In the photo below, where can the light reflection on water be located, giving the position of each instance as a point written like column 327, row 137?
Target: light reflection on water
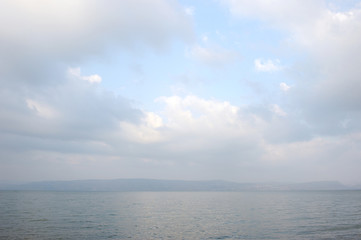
column 180, row 215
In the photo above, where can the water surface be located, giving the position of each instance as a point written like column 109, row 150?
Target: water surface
column 180, row 215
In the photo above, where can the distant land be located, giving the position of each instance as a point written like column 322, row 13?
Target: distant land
column 136, row 185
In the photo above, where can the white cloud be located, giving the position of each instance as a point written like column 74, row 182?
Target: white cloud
column 267, row 65
column 76, row 72
column 203, row 121
column 42, row 109
column 93, row 78
column 198, row 112
column 190, row 10
column 205, row 38
column 284, row 87
column 277, row 110
column 145, row 132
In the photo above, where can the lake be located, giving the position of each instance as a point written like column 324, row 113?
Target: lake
column 180, row 215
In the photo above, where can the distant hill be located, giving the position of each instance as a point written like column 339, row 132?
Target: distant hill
column 132, row 185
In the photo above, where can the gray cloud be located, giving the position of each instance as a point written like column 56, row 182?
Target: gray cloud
column 38, row 37
column 44, row 111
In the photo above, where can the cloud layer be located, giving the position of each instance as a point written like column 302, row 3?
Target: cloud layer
column 57, row 122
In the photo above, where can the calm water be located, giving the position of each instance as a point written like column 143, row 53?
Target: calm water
column 180, row 215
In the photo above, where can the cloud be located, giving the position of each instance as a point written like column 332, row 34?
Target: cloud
column 267, row 65
column 37, row 40
column 324, row 107
column 213, row 56
column 328, row 89
column 277, row 110
column 205, row 38
column 38, row 44
column 333, row 44
column 73, row 110
column 319, row 158
column 52, row 115
column 190, row 10
column 188, row 131
column 284, row 87
column 76, row 72
column 207, row 138
column 145, row 132
column 41, row 109
column 277, row 13
column 212, row 138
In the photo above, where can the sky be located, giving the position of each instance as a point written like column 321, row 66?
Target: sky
column 237, row 90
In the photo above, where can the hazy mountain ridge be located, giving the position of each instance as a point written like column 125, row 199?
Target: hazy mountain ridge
column 172, row 185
